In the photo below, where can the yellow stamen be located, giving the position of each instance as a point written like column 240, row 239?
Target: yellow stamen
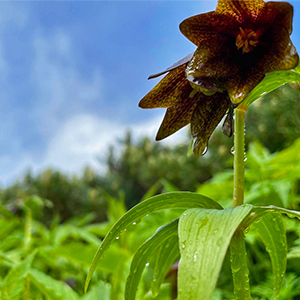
column 247, row 40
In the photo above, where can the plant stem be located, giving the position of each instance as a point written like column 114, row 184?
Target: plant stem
column 239, row 156
column 238, row 255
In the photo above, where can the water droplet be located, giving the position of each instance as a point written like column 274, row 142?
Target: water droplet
column 117, row 237
column 205, row 150
column 147, row 264
column 232, row 150
column 195, row 256
column 235, row 267
column 257, row 220
column 134, row 223
column 252, row 215
column 196, row 145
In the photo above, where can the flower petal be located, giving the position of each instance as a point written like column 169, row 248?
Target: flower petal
column 204, row 26
column 178, row 116
column 277, row 13
column 169, row 91
column 181, row 62
column 206, row 117
column 214, row 58
column 241, row 10
column 280, row 54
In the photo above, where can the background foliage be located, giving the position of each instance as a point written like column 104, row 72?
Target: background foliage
column 51, row 224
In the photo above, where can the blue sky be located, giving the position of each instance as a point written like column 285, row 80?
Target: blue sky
column 72, row 74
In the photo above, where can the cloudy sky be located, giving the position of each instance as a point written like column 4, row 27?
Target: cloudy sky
column 72, row 73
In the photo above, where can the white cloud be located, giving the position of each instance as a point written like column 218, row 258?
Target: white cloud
column 85, row 138
column 61, row 88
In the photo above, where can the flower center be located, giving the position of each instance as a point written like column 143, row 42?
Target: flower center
column 247, row 40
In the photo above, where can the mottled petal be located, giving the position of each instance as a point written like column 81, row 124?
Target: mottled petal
column 178, row 116
column 290, row 60
column 283, row 54
column 240, row 10
column 169, row 91
column 206, row 117
column 204, row 26
column 242, row 84
column 181, row 62
column 277, row 13
column 213, row 58
column 280, row 54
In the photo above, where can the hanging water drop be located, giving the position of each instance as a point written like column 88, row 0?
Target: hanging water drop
column 117, row 237
column 147, row 264
column 205, row 150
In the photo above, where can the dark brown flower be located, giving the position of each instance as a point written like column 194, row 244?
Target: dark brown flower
column 186, row 105
column 237, row 45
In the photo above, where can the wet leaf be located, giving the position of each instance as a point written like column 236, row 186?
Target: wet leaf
column 166, row 255
column 272, row 233
column 143, row 255
column 204, row 236
column 239, row 268
column 157, row 203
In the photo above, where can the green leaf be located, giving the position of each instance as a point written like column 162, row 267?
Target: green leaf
column 167, row 253
column 143, row 255
column 239, row 268
column 118, row 279
column 271, row 82
column 152, row 191
column 100, row 291
column 82, row 254
column 64, row 232
column 260, row 210
column 151, row 205
column 272, row 233
column 204, row 236
column 52, row 288
column 168, row 186
column 14, row 283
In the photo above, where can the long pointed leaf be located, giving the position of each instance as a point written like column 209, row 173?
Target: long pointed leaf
column 272, row 232
column 144, row 253
column 157, row 203
column 52, row 288
column 239, row 268
column 204, row 236
column 166, row 255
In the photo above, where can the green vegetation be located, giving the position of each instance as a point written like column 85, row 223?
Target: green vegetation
column 52, row 224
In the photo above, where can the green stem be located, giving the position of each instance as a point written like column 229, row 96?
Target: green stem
column 239, row 156
column 238, row 255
